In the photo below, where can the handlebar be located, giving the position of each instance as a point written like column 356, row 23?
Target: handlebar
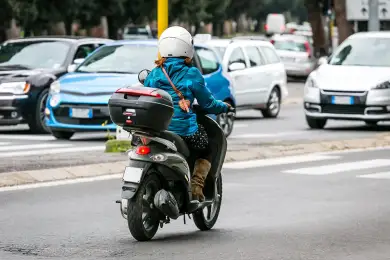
column 198, row 110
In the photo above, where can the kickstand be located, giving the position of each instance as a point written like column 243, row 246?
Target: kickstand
column 184, row 218
column 189, row 216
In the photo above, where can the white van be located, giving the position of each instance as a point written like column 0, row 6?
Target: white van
column 275, row 24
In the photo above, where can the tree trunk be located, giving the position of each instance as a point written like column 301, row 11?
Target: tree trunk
column 315, row 19
column 344, row 27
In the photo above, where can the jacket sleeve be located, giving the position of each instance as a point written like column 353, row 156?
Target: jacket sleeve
column 149, row 82
column 202, row 94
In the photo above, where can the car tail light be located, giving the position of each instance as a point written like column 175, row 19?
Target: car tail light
column 308, row 50
column 272, row 41
column 142, row 150
column 138, row 92
column 266, row 27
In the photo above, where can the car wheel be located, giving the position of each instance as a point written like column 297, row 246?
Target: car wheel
column 371, row 122
column 316, row 123
column 226, row 122
column 273, row 105
column 36, row 120
column 62, row 135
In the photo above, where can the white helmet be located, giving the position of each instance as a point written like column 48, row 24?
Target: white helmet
column 176, row 42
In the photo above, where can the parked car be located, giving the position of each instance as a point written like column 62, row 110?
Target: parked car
column 27, row 68
column 78, row 101
column 296, row 53
column 275, row 24
column 134, row 32
column 352, row 84
column 259, row 76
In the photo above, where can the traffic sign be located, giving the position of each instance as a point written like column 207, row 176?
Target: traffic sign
column 358, row 10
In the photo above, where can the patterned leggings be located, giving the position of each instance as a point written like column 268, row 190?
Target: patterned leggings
column 198, row 142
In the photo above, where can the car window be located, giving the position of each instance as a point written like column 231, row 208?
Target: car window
column 84, row 50
column 254, row 56
column 128, row 58
column 363, row 52
column 208, row 60
column 35, row 54
column 290, row 46
column 271, row 55
column 237, row 56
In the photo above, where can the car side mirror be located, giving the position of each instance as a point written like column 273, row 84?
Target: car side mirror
column 236, row 66
column 322, row 60
column 76, row 62
column 142, row 75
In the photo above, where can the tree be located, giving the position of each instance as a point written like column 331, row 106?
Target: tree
column 5, row 17
column 343, row 26
column 314, row 9
column 216, row 10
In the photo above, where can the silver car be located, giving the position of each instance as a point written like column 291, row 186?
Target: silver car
column 296, row 52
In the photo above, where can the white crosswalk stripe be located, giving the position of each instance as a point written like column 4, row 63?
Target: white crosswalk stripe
column 9, row 150
column 340, row 167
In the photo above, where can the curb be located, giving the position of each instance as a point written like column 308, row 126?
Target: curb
column 234, row 154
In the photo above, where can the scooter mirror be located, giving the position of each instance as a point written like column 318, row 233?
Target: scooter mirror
column 142, row 75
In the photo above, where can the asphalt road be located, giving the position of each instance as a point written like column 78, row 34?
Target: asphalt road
column 333, row 207
column 19, row 150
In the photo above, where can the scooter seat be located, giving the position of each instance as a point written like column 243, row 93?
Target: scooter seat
column 181, row 146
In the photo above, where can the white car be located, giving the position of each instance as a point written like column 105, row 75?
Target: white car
column 353, row 83
column 259, row 77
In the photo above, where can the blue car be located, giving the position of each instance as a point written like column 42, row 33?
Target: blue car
column 78, row 101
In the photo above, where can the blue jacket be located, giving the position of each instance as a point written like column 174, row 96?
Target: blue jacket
column 191, row 84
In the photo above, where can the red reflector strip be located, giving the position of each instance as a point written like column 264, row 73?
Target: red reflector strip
column 127, row 113
column 138, row 92
column 142, row 150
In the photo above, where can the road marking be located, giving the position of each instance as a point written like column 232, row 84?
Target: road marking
column 278, row 161
column 379, row 175
column 340, row 167
column 1, row 144
column 267, row 135
column 26, row 137
column 239, row 125
column 53, row 151
column 32, row 146
column 62, row 182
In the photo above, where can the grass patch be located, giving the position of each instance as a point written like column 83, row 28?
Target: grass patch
column 117, row 146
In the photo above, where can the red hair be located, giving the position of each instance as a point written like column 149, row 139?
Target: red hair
column 161, row 61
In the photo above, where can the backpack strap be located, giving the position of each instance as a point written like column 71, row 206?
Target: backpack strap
column 184, row 104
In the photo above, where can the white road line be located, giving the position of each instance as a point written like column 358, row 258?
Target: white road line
column 62, row 182
column 379, row 175
column 278, row 161
column 52, row 151
column 267, row 135
column 340, row 167
column 26, row 137
column 1, row 144
column 239, row 125
column 32, row 146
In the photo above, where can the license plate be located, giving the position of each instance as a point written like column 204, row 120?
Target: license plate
column 340, row 100
column 132, row 174
column 80, row 112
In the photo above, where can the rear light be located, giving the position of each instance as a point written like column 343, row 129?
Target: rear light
column 138, row 92
column 266, row 27
column 272, row 41
column 142, row 150
column 308, row 50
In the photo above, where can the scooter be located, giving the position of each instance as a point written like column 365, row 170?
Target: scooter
column 157, row 183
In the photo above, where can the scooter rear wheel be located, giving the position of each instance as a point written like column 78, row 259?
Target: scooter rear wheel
column 142, row 216
column 205, row 219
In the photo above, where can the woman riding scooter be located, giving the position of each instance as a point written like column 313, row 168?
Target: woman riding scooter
column 175, row 75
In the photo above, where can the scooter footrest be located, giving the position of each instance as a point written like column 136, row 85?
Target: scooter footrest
column 205, row 203
column 193, row 206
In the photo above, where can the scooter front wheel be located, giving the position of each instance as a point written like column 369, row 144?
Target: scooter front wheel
column 205, row 219
column 142, row 216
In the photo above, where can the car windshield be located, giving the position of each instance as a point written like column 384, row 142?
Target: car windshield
column 121, row 59
column 363, row 52
column 290, row 46
column 34, row 54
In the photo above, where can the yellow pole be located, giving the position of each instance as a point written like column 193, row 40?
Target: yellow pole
column 162, row 16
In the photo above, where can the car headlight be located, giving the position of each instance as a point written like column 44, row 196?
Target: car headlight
column 55, row 87
column 384, row 85
column 310, row 83
column 16, row 88
column 54, row 100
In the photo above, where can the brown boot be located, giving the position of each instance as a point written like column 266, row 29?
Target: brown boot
column 201, row 169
